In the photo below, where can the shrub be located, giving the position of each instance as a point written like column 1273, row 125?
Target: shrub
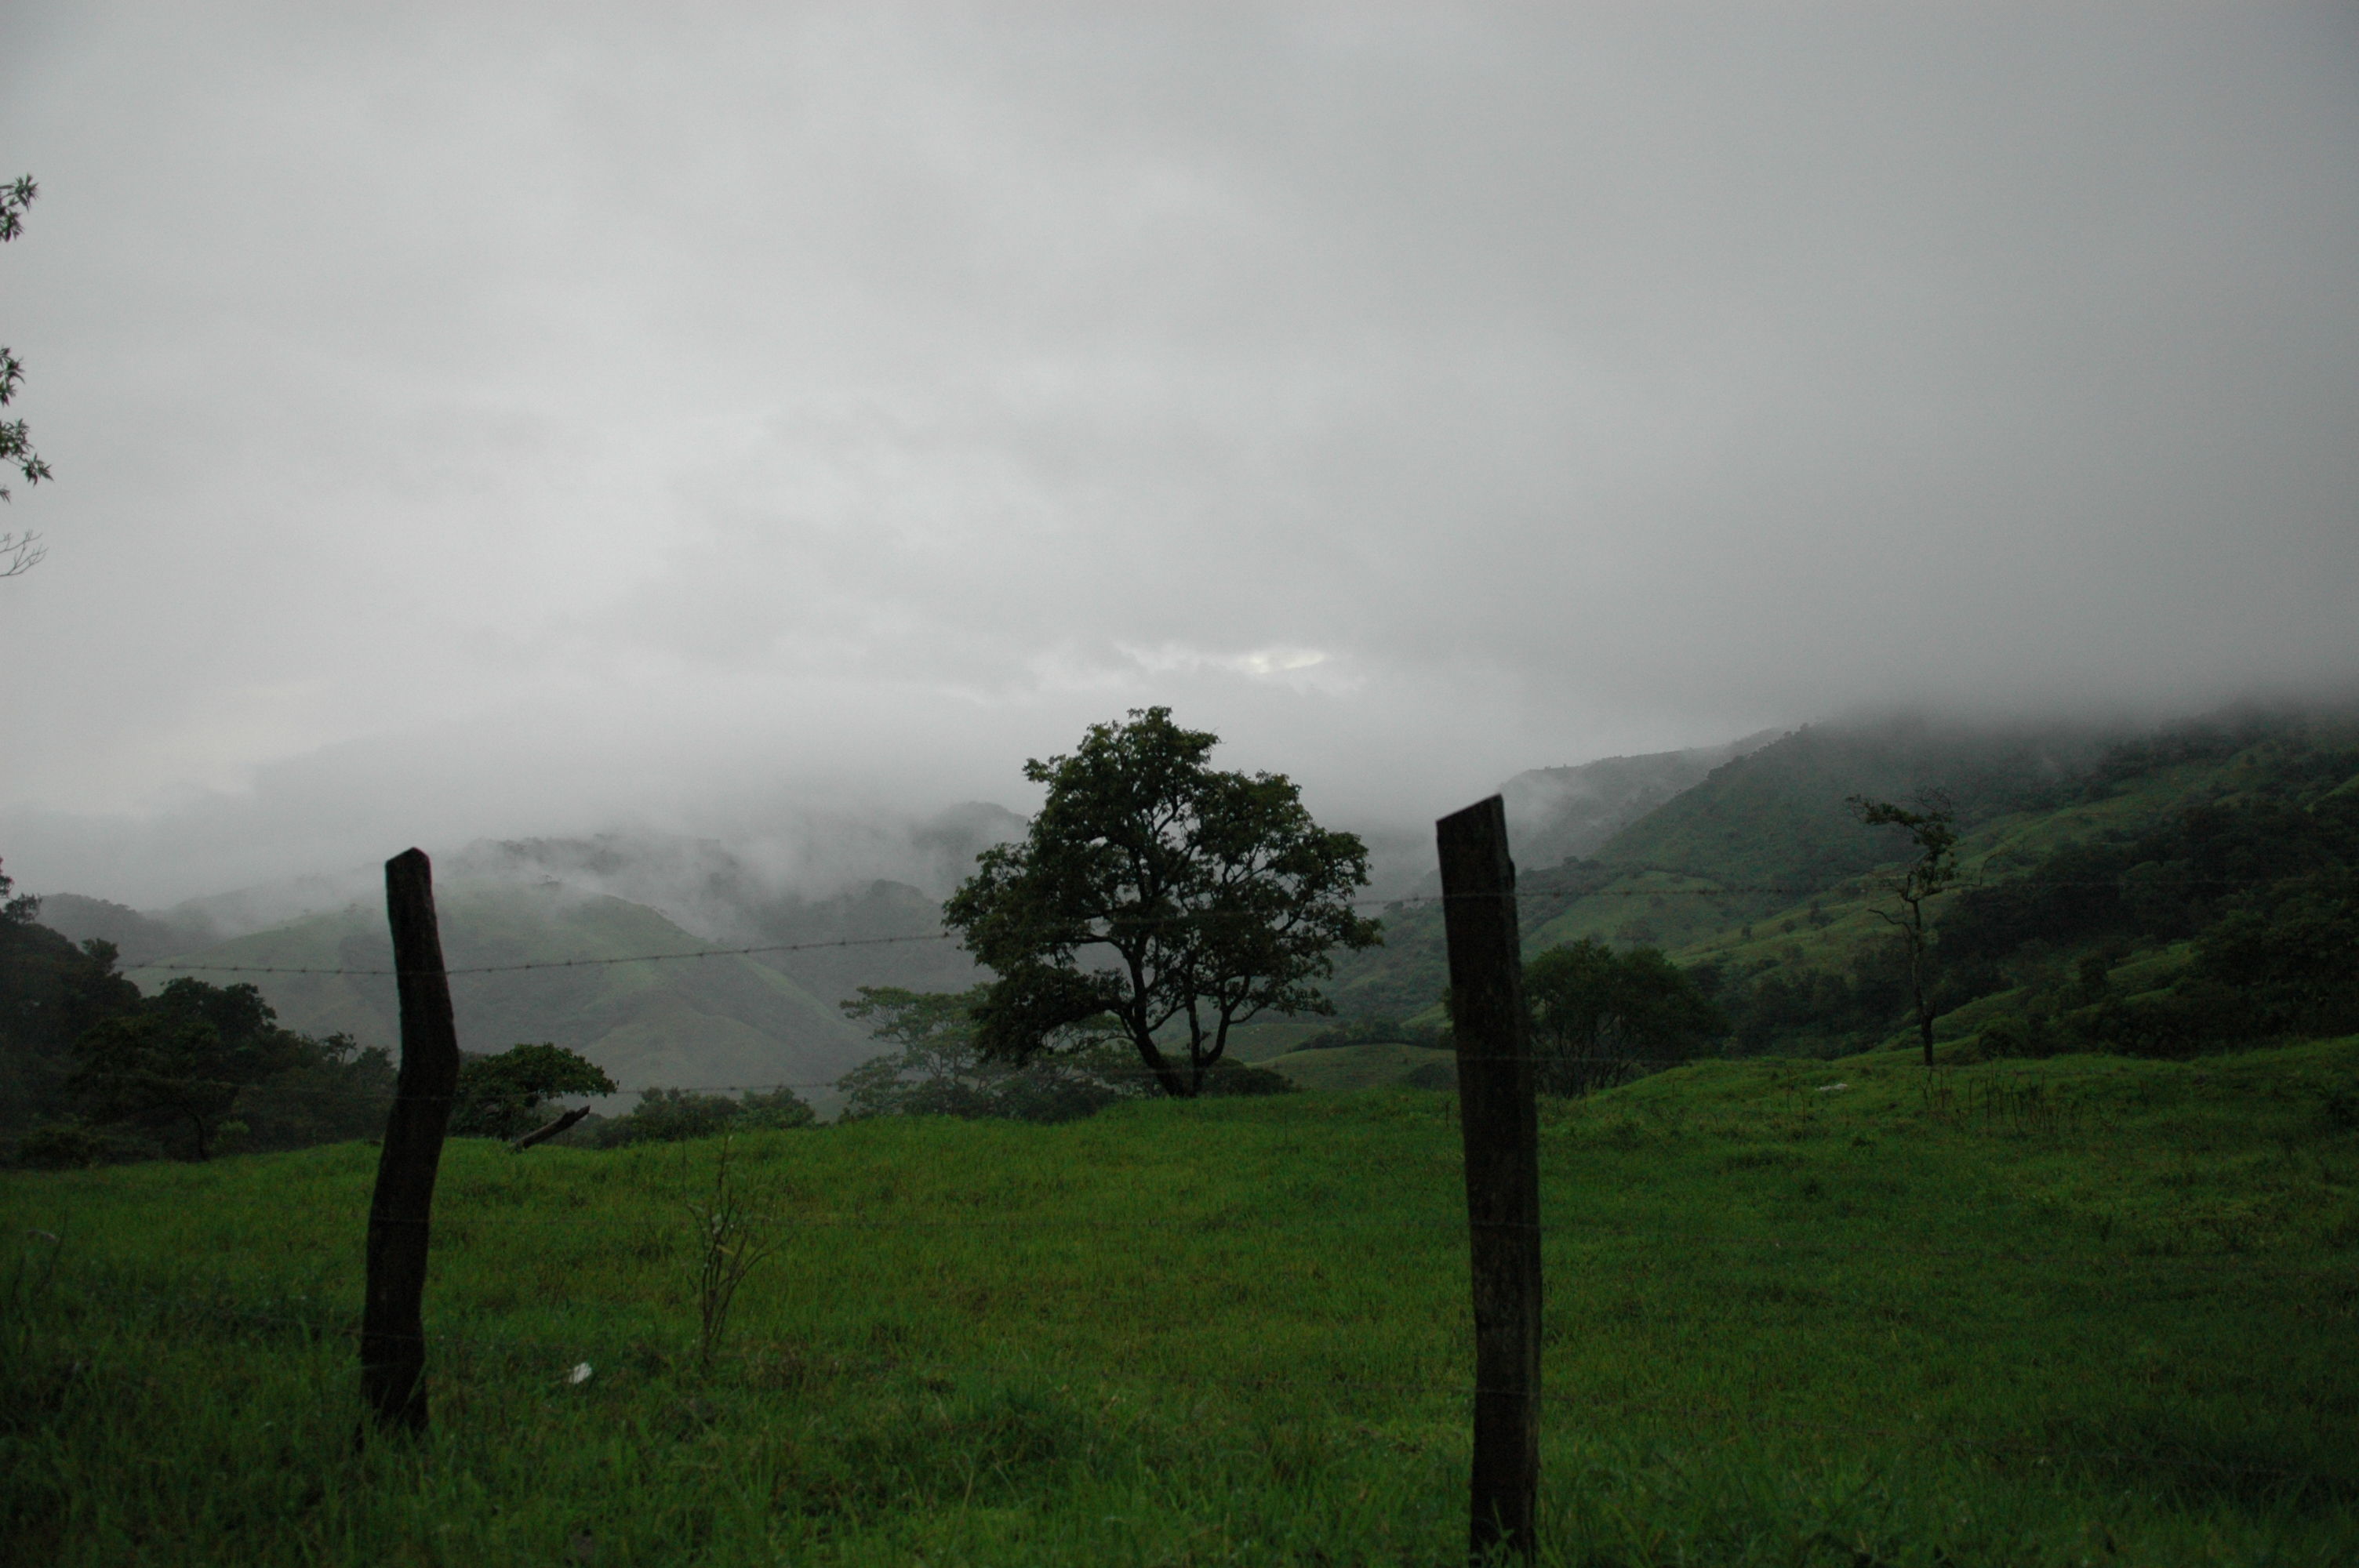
column 669, row 1116
column 1228, row 1078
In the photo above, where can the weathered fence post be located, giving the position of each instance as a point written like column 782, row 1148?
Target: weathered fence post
column 1499, row 1120
column 393, row 1324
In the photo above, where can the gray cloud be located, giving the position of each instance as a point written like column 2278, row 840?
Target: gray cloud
column 515, row 419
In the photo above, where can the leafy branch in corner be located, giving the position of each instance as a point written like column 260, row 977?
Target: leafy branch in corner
column 19, row 553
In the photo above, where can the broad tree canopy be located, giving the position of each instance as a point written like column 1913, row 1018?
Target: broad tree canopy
column 1159, row 899
column 179, row 1058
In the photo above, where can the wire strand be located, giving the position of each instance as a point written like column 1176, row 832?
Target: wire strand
column 1181, row 917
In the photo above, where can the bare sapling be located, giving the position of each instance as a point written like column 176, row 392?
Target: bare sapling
column 734, row 1232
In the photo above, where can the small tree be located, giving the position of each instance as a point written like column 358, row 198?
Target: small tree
column 1924, row 879
column 941, row 1070
column 1159, row 899
column 501, row 1095
column 1596, row 1013
column 936, row 1069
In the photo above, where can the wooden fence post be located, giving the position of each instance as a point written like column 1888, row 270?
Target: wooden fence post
column 393, row 1325
column 1499, row 1120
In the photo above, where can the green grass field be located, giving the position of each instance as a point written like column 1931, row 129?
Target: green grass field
column 2086, row 1310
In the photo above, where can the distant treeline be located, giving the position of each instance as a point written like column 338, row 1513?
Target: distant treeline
column 2189, row 890
column 93, row 1072
column 2161, row 894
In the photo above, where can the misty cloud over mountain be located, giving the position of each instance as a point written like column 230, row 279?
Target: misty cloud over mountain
column 806, row 872
column 525, row 422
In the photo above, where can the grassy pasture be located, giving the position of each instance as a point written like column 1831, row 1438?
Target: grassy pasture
column 2085, row 1310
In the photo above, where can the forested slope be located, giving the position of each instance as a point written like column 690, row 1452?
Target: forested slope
column 2160, row 893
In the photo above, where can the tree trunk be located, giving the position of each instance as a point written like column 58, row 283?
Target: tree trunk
column 1916, row 934
column 1166, row 1075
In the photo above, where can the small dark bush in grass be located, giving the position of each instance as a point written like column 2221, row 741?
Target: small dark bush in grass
column 1227, row 1078
column 939, row 1070
column 2029, row 1037
column 781, row 1107
column 73, row 1146
column 1364, row 1032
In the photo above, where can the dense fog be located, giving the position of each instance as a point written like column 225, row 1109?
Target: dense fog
column 774, row 425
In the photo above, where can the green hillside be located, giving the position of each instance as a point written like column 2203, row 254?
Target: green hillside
column 1560, row 814
column 721, row 1021
column 1761, row 884
column 1776, row 818
column 2089, row 1310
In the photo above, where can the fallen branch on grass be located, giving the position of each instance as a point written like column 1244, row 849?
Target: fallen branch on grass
column 544, row 1133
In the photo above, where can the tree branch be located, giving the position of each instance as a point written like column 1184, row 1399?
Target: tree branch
column 542, row 1134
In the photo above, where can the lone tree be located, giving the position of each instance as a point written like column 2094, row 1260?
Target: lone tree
column 18, row 552
column 1926, row 878
column 1157, row 899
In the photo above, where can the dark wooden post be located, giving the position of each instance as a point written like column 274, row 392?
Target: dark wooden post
column 393, row 1324
column 1500, row 1122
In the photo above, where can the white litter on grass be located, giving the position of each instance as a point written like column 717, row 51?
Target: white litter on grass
column 1831, row 1088
column 581, row 1373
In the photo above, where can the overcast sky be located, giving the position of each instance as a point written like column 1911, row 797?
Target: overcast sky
column 495, row 418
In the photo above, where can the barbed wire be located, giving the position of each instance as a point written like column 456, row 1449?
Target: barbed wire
column 1077, row 1071
column 1081, row 1072
column 1178, row 917
column 546, row 963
